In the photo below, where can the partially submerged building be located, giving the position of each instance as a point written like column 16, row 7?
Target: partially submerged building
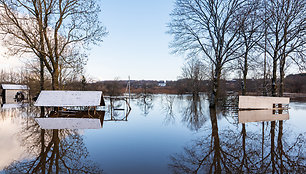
column 72, row 109
column 70, row 102
column 70, row 99
column 12, row 93
column 262, row 102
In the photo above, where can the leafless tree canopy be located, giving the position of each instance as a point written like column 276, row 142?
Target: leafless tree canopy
column 219, row 32
column 208, row 29
column 56, row 31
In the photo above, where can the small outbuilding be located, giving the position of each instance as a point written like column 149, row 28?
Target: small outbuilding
column 12, row 93
column 71, row 103
column 70, row 99
column 262, row 102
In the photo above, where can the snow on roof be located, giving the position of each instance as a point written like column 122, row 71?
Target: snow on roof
column 12, row 86
column 16, row 105
column 69, row 98
column 69, row 123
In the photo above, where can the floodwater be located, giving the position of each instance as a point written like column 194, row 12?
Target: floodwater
column 161, row 134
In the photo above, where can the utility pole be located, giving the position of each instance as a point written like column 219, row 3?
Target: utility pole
column 129, row 83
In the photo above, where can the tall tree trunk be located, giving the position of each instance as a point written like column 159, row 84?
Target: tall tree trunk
column 42, row 82
column 215, row 87
column 264, row 92
column 245, row 72
column 55, row 76
column 282, row 76
column 274, row 76
column 282, row 64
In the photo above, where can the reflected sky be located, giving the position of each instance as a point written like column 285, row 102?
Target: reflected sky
column 162, row 134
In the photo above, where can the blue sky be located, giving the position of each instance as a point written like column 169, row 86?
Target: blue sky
column 137, row 44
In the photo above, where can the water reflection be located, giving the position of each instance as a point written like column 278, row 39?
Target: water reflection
column 193, row 114
column 262, row 115
column 145, row 103
column 240, row 151
column 52, row 151
column 213, row 141
column 61, row 151
column 78, row 120
column 168, row 109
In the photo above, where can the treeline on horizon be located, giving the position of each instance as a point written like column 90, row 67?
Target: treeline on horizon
column 294, row 83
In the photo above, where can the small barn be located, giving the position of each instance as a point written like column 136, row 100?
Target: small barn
column 71, row 103
column 12, row 93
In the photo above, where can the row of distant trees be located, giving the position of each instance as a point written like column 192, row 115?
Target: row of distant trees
column 222, row 37
column 294, row 83
column 55, row 34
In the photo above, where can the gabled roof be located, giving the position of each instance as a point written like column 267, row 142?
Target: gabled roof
column 13, row 86
column 69, row 123
column 69, row 98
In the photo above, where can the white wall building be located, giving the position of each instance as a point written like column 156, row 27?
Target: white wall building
column 12, row 93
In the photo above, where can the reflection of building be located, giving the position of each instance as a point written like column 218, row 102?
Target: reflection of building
column 262, row 115
column 70, row 123
column 12, row 93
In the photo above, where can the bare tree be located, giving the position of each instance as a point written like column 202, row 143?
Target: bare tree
column 209, row 29
column 194, row 71
column 293, row 31
column 286, row 27
column 250, row 35
column 51, row 29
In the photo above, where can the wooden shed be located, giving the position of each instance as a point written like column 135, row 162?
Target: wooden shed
column 71, row 103
column 70, row 98
column 12, row 93
column 263, row 102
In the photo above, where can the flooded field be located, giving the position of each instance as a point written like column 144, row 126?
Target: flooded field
column 161, row 134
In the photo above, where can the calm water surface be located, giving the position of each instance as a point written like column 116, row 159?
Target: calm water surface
column 162, row 134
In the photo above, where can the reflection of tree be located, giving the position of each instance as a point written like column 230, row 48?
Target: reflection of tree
column 145, row 103
column 286, row 157
column 57, row 151
column 168, row 109
column 204, row 155
column 193, row 113
column 235, row 151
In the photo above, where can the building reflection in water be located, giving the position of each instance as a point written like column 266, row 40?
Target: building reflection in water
column 57, row 144
column 246, row 116
column 53, row 151
column 241, row 151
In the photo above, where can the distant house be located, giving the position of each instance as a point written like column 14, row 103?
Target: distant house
column 162, row 83
column 12, row 93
